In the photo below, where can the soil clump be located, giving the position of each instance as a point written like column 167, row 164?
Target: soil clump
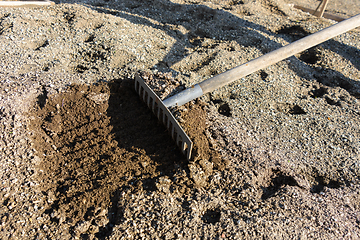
column 276, row 153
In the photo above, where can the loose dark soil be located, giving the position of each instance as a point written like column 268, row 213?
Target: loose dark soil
column 95, row 141
column 276, row 153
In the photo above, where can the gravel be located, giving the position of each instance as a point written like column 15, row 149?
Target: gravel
column 289, row 133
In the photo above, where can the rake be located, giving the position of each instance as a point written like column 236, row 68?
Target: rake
column 160, row 108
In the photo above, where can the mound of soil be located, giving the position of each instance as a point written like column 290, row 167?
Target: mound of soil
column 276, row 153
column 95, row 141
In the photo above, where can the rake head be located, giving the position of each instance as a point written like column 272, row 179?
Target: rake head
column 164, row 115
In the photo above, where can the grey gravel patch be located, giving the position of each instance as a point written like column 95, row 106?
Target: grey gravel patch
column 290, row 132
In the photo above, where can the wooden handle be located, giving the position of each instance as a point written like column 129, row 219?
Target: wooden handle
column 323, row 5
column 280, row 54
column 25, row 3
column 326, row 15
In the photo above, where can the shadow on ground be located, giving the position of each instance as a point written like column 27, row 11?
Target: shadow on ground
column 100, row 143
column 203, row 23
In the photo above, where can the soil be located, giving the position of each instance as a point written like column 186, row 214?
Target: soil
column 276, row 154
column 97, row 142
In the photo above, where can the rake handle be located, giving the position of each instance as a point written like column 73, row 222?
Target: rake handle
column 264, row 61
column 280, row 54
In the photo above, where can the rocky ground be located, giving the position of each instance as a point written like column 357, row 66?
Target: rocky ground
column 276, row 153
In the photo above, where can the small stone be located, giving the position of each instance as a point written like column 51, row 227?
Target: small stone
column 82, row 227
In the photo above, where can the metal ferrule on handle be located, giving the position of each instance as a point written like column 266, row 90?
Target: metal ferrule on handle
column 160, row 108
column 164, row 115
column 185, row 96
column 264, row 61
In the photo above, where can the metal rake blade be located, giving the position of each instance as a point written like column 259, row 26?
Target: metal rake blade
column 164, row 115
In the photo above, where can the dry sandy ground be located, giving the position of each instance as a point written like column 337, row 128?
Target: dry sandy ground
column 276, row 153
column 344, row 9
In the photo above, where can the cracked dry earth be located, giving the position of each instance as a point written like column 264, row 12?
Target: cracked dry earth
column 276, row 153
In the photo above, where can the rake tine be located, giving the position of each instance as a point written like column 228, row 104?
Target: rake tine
column 153, row 106
column 164, row 115
column 178, row 140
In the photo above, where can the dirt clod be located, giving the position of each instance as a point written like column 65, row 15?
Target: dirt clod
column 276, row 152
column 93, row 145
